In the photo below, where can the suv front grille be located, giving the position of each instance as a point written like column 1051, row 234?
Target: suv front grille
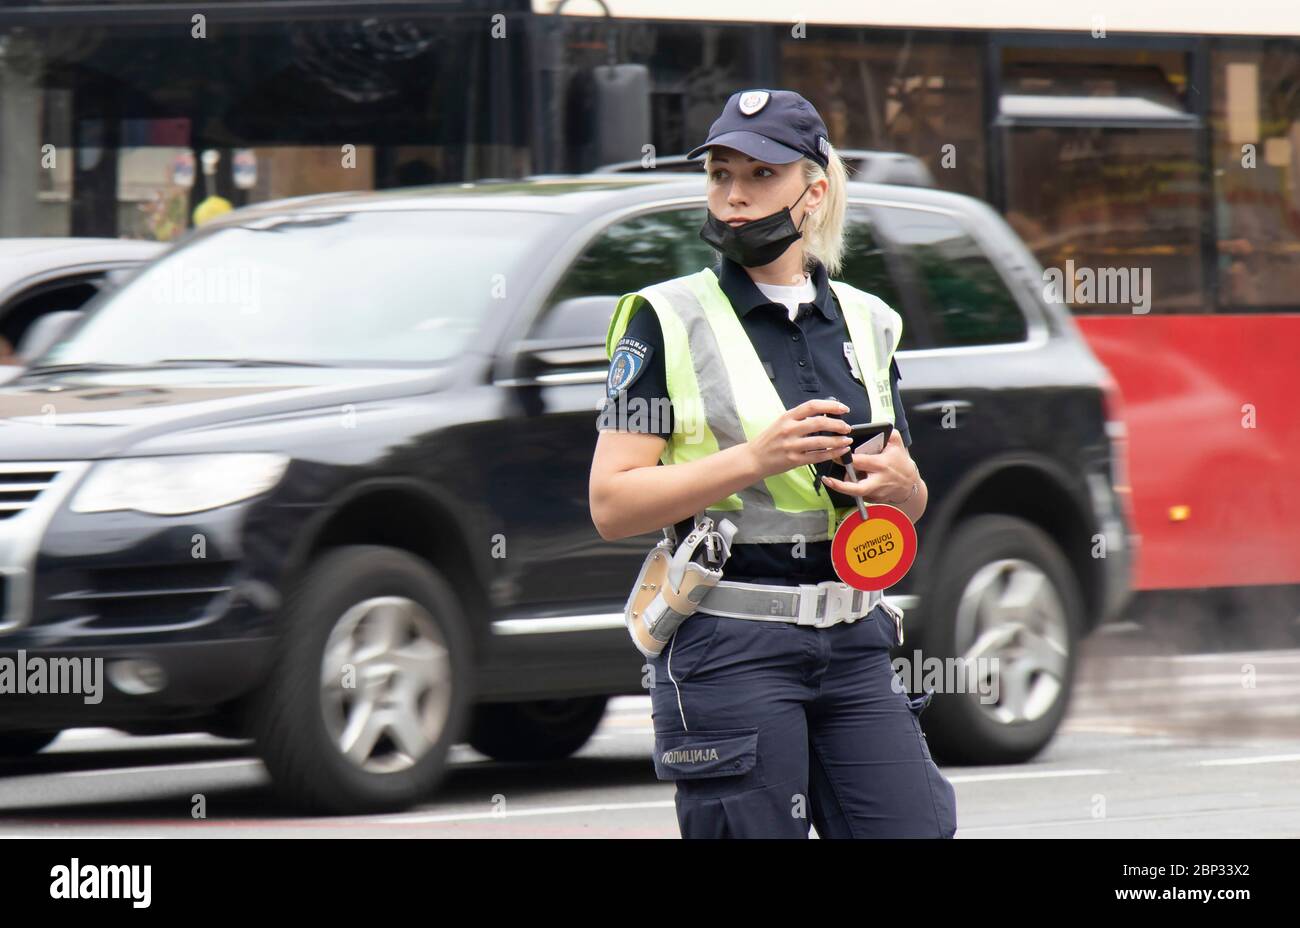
column 138, row 596
column 30, row 493
column 21, row 485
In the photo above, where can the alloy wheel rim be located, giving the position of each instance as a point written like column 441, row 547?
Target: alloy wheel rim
column 1011, row 631
column 385, row 684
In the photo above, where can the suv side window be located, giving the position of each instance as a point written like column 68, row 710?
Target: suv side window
column 965, row 299
column 23, row 310
column 637, row 251
column 867, row 266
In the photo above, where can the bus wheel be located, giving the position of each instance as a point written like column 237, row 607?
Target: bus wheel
column 370, row 687
column 547, row 729
column 1006, row 601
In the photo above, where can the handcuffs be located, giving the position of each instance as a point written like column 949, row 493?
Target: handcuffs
column 672, row 583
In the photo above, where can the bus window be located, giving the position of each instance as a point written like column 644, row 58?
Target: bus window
column 964, row 298
column 1256, row 160
column 912, row 91
column 1117, row 205
column 1104, row 177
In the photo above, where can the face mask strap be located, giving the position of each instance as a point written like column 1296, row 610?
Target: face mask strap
column 799, row 227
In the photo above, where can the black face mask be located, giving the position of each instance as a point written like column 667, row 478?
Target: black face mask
column 758, row 242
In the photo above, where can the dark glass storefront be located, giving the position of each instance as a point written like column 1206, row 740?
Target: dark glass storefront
column 1178, row 154
column 104, row 119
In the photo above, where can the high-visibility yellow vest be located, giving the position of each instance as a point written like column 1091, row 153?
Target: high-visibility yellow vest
column 722, row 397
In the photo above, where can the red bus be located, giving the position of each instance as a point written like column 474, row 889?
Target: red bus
column 1149, row 155
column 1150, row 150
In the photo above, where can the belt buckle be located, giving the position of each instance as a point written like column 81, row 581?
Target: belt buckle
column 809, row 597
column 839, row 601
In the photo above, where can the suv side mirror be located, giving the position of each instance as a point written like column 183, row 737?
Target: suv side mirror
column 117, row 276
column 44, row 332
column 569, row 339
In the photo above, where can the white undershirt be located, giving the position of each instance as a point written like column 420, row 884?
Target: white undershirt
column 790, row 295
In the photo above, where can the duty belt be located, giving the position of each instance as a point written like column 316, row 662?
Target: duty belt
column 820, row 605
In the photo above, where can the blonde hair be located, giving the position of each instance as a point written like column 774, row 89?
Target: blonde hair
column 823, row 230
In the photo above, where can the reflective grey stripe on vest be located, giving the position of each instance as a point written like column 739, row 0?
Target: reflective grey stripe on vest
column 759, row 521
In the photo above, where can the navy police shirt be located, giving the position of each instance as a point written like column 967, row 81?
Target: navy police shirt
column 805, row 358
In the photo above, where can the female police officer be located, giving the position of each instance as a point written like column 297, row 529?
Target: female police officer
column 780, row 709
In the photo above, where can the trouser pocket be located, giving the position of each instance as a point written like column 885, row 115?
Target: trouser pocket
column 709, row 763
column 686, row 755
column 895, row 616
column 918, row 703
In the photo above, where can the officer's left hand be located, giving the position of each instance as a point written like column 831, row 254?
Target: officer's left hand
column 881, row 477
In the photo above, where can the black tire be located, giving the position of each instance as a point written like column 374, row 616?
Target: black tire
column 957, row 728
column 15, row 745
column 547, row 729
column 308, row 768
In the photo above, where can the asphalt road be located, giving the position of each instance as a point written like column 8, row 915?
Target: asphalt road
column 1157, row 744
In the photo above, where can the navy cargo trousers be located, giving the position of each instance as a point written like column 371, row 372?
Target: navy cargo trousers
column 770, row 727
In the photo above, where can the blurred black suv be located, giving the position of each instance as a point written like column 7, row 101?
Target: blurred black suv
column 318, row 476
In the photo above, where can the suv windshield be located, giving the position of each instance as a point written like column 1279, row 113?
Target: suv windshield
column 344, row 288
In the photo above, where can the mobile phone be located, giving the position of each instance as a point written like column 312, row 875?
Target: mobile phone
column 867, row 438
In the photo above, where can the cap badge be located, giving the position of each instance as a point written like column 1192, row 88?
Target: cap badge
column 752, row 102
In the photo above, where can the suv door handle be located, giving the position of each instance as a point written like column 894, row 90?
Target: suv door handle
column 942, row 406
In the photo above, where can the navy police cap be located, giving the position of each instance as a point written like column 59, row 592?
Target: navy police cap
column 776, row 126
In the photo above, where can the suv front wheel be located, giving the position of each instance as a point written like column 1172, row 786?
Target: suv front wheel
column 370, row 688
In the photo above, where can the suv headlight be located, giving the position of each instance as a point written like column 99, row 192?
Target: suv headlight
column 178, row 484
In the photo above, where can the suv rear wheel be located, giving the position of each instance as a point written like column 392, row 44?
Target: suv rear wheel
column 547, row 729
column 1004, row 592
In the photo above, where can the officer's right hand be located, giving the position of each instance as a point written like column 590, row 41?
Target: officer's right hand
column 788, row 442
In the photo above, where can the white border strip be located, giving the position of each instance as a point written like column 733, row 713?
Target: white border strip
column 1185, row 17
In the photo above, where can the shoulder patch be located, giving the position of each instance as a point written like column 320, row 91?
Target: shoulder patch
column 627, row 363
